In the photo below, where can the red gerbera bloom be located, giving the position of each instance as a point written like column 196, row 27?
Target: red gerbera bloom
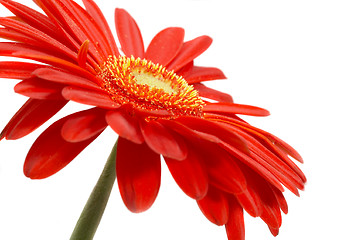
column 154, row 100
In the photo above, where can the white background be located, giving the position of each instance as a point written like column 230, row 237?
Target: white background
column 299, row 59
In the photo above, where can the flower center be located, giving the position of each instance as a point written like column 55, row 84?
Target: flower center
column 149, row 86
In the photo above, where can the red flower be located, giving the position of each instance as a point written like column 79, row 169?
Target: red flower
column 154, row 100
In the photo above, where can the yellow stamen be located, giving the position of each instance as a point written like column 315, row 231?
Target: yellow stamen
column 149, row 86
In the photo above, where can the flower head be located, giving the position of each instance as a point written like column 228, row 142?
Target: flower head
column 154, row 100
column 149, row 86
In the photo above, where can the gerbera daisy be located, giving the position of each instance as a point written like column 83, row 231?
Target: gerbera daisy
column 154, row 100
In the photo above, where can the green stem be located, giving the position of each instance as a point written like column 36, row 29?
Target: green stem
column 93, row 210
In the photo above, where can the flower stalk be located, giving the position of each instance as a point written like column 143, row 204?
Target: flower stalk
column 94, row 208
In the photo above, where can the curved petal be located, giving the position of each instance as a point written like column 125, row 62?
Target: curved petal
column 235, row 226
column 223, row 171
column 276, row 145
column 90, row 28
column 190, row 51
column 163, row 141
column 215, row 207
column 270, row 210
column 39, row 89
column 234, row 108
column 189, row 174
column 233, row 144
column 83, row 54
column 216, row 130
column 50, row 152
column 63, row 14
column 129, row 34
column 16, row 36
column 99, row 18
column 165, row 45
column 20, row 50
column 266, row 143
column 274, row 231
column 55, row 75
column 199, row 74
column 262, row 156
column 250, row 202
column 213, row 94
column 285, row 147
column 30, row 116
column 38, row 36
column 138, row 174
column 271, row 213
column 280, row 199
column 17, row 70
column 83, row 125
column 187, row 69
column 271, row 216
column 279, row 168
column 125, row 126
column 32, row 17
column 94, row 98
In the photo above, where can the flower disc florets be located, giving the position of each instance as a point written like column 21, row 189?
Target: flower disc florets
column 149, row 86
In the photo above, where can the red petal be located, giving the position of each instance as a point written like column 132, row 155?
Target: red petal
column 265, row 173
column 99, row 18
column 55, row 75
column 90, row 28
column 280, row 199
column 200, row 74
column 275, row 165
column 286, row 148
column 162, row 141
column 215, row 207
column 206, row 130
column 129, row 34
column 17, row 70
column 165, row 46
column 32, row 17
column 125, row 126
column 89, row 97
column 30, row 116
column 12, row 35
column 216, row 130
column 21, row 50
column 274, row 231
column 190, row 51
column 235, row 226
column 62, row 13
column 39, row 89
column 83, row 54
column 267, row 140
column 271, row 216
column 39, row 36
column 235, row 109
column 213, row 94
column 223, row 171
column 83, row 125
column 250, row 201
column 272, row 163
column 274, row 143
column 138, row 173
column 190, row 175
column 187, row 69
column 50, row 152
column 270, row 212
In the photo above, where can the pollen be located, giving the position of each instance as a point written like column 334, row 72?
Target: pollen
column 149, row 86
